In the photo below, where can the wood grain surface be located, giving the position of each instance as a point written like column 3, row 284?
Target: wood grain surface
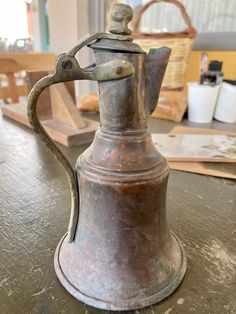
column 34, row 214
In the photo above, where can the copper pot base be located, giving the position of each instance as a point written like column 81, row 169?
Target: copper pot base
column 131, row 304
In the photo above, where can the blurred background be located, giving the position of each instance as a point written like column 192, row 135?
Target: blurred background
column 54, row 25
column 33, row 32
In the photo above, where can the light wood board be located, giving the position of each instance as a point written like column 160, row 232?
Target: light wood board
column 222, row 170
column 195, row 147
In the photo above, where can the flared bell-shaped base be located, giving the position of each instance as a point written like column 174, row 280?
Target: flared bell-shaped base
column 123, row 255
column 65, row 252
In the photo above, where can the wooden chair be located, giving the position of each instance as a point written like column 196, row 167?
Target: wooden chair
column 9, row 67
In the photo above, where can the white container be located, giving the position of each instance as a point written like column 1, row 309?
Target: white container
column 201, row 102
column 226, row 104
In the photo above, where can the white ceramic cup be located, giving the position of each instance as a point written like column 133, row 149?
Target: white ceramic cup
column 201, row 102
column 226, row 104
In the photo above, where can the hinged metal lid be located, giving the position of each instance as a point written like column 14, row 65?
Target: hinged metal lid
column 121, row 15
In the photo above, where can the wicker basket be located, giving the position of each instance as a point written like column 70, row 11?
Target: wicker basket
column 179, row 42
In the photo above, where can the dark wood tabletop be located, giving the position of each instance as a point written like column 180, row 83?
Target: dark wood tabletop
column 34, row 214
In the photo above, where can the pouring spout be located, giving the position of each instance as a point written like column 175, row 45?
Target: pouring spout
column 156, row 63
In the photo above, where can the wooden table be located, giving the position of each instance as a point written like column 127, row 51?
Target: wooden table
column 34, row 212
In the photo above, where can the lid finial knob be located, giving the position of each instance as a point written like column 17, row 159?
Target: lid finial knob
column 121, row 15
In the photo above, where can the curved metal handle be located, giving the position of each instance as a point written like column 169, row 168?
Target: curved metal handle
column 68, row 69
column 37, row 128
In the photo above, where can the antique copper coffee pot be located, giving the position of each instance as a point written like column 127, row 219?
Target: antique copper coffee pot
column 119, row 253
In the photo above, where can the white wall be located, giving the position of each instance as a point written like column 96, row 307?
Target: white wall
column 68, row 22
column 63, row 24
column 35, row 10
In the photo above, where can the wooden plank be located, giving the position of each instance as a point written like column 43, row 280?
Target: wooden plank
column 211, row 169
column 188, row 130
column 63, row 107
column 68, row 136
column 16, row 112
column 70, row 86
column 44, row 109
column 220, row 170
column 44, row 103
column 59, row 131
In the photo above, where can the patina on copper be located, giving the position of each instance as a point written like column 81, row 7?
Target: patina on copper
column 119, row 253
